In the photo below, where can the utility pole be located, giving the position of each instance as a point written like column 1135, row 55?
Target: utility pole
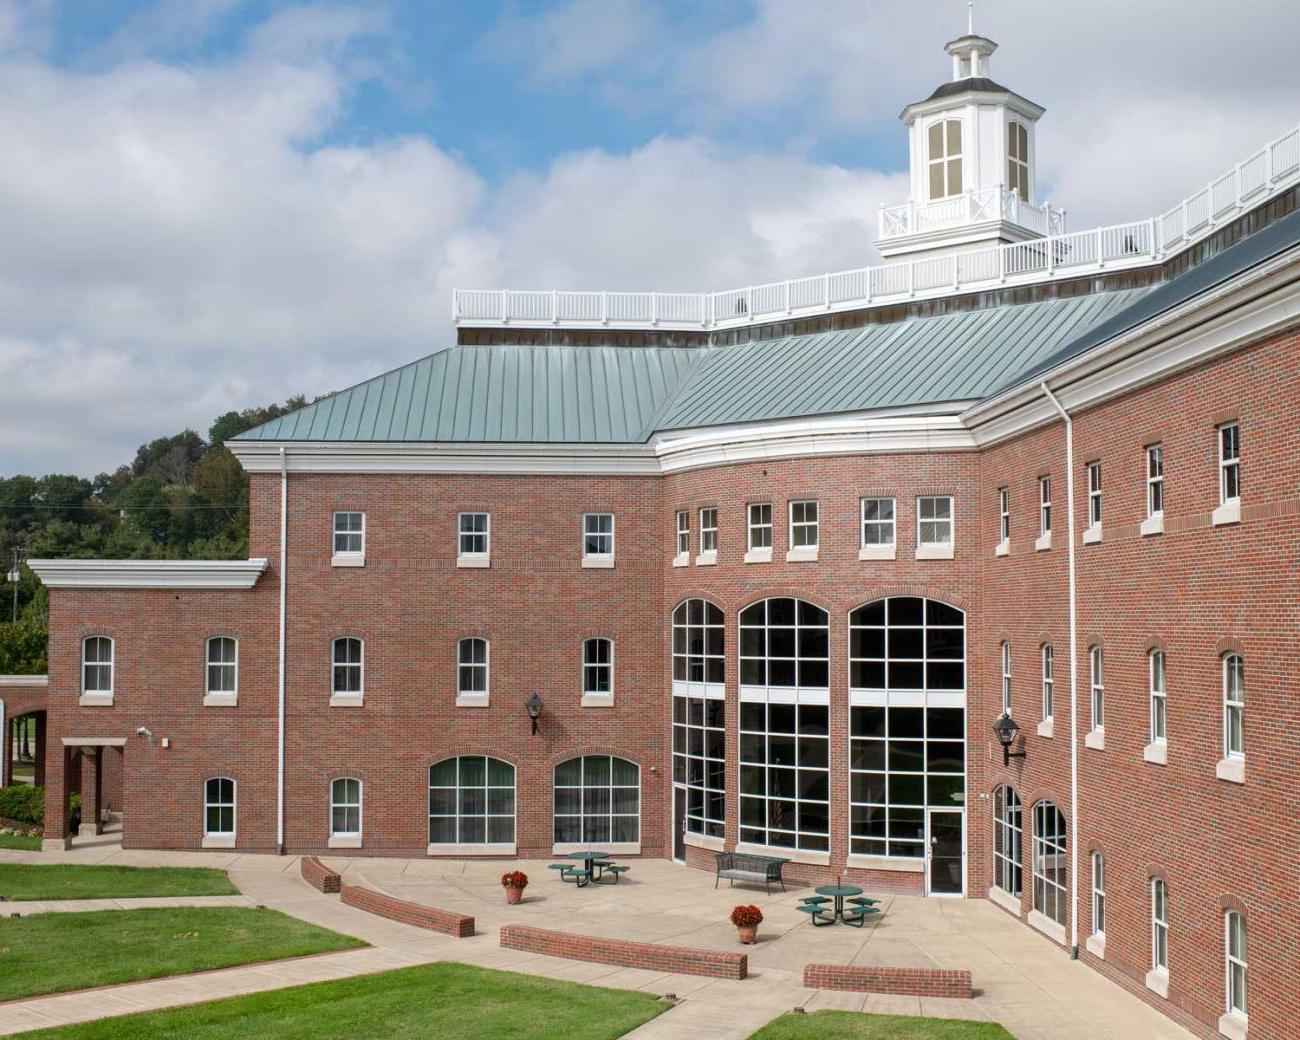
column 15, row 576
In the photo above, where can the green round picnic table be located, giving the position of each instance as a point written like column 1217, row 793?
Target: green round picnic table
column 840, row 893
column 589, row 857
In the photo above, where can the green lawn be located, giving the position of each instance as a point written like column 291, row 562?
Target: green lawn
column 436, row 1001
column 73, row 881
column 21, row 841
column 51, row 953
column 849, row 1025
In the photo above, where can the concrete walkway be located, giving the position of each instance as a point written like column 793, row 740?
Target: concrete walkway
column 1022, row 980
column 70, row 906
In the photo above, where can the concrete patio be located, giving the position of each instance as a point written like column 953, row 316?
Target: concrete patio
column 1021, row 979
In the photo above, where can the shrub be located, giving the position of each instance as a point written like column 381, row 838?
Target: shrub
column 514, row 879
column 746, row 916
column 23, row 804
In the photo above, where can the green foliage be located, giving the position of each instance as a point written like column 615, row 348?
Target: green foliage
column 55, row 881
column 23, row 803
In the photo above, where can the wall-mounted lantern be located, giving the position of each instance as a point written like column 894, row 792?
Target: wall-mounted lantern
column 1005, row 729
column 534, row 706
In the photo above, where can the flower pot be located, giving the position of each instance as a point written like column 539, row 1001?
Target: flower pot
column 748, row 933
column 513, row 894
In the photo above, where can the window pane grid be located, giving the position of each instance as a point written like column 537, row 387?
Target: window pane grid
column 1044, row 505
column 803, row 525
column 1006, row 678
column 1159, row 924
column 878, row 521
column 906, row 643
column 1098, row 687
column 934, row 520
column 708, row 530
column 760, row 525
column 784, row 642
column 349, row 533
column 1234, row 705
column 784, row 775
column 473, row 534
column 472, row 667
column 1049, row 681
column 1008, row 857
column 699, row 762
column 683, row 532
column 97, row 665
column 1229, row 463
column 345, row 806
column 1049, row 862
column 597, row 800
column 1155, row 480
column 598, row 534
column 698, row 643
column 219, row 806
column 1098, row 894
column 223, row 657
column 1094, row 493
column 472, row 801
column 1004, row 515
column 1235, row 957
column 1158, row 703
column 347, row 665
column 597, row 667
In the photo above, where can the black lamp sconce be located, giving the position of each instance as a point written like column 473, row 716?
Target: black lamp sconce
column 1005, row 729
column 534, row 706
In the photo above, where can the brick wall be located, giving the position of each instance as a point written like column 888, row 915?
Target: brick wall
column 459, row 926
column 318, row 875
column 650, row 956
column 908, row 982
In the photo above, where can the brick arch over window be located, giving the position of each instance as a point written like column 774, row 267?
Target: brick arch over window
column 1093, row 639
column 1229, row 645
column 781, row 592
column 920, row 590
column 1155, row 872
column 1229, row 902
column 681, row 596
column 1044, row 794
column 1096, row 846
column 1155, row 642
column 462, row 750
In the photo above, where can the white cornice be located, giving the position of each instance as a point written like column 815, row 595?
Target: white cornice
column 148, row 574
column 24, row 680
column 959, row 99
column 433, row 457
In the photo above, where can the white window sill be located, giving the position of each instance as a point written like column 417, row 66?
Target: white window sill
column 218, row 841
column 1233, row 1026
column 1045, row 728
column 348, row 560
column 347, row 700
column 613, row 848
column 900, row 864
column 220, row 700
column 934, row 552
column 96, row 700
column 877, row 552
column 472, row 700
column 707, row 559
column 474, row 560
column 1231, row 769
column 1152, row 525
column 1095, row 739
column 1003, row 548
column 1228, row 513
column 682, row 560
column 1157, row 753
column 817, row 859
column 1005, row 899
column 1096, row 945
column 1092, row 534
column 1041, row 922
column 598, row 563
column 704, row 841
column 758, row 556
column 1043, row 542
column 504, row 848
column 1157, row 981
column 802, row 555
column 345, row 841
column 598, row 700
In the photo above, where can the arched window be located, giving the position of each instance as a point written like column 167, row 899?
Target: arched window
column 97, row 666
column 1159, row 925
column 472, row 801
column 784, row 642
column 1234, row 706
column 348, row 678
column 472, row 668
column 907, row 678
column 597, row 668
column 1097, row 679
column 1006, row 677
column 944, row 141
column 1050, row 874
column 345, row 808
column 698, row 643
column 1008, row 858
column 1018, row 159
column 1235, row 962
column 223, row 665
column 219, row 807
column 1049, row 682
column 597, row 799
column 1158, row 683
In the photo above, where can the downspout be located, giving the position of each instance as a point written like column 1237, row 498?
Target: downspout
column 1074, row 677
column 284, row 533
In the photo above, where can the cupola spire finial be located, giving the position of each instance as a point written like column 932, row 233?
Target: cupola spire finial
column 970, row 17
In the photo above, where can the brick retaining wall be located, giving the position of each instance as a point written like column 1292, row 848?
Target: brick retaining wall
column 319, row 876
column 461, row 926
column 911, row 982
column 650, row 956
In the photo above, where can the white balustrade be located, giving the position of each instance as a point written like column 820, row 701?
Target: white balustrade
column 1274, row 168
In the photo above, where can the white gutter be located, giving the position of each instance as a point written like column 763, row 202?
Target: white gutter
column 1074, row 677
column 284, row 532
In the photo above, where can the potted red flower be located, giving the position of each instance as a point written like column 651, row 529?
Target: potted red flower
column 514, row 882
column 747, row 919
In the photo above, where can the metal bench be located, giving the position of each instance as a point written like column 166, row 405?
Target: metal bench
column 616, row 869
column 816, row 899
column 816, row 915
column 745, row 866
column 857, row 915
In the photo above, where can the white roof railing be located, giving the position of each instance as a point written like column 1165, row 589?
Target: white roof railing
column 1272, row 169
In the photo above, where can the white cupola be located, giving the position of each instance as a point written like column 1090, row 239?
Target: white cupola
column 972, row 155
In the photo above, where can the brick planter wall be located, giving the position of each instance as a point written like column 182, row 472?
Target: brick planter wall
column 461, row 926
column 650, row 956
column 910, row 982
column 319, row 876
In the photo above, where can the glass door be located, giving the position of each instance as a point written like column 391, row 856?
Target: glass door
column 945, row 859
column 679, row 824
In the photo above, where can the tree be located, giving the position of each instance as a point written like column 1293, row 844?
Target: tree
column 170, row 459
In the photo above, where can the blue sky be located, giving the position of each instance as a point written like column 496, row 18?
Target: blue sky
column 210, row 204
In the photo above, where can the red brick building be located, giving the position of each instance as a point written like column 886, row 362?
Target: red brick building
column 761, row 570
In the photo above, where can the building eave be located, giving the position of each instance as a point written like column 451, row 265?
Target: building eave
column 148, row 574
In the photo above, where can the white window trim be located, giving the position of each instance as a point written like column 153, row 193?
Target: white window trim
column 221, row 839
column 1155, row 696
column 1044, row 540
column 1005, row 647
column 761, row 553
column 473, row 559
column 347, row 559
column 1003, row 548
column 681, row 539
column 99, row 698
column 1047, row 656
column 475, row 698
column 803, row 553
column 707, row 557
column 483, row 848
column 591, row 698
column 1225, row 464
column 1095, row 738
column 936, row 550
column 616, row 847
column 1155, row 518
column 219, row 698
column 347, row 698
column 347, row 839
column 1157, row 979
column 1234, row 1022
column 945, row 158
column 599, row 560
column 881, row 550
column 1097, row 939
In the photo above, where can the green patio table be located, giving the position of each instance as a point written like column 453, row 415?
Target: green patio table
column 839, row 893
column 589, row 858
